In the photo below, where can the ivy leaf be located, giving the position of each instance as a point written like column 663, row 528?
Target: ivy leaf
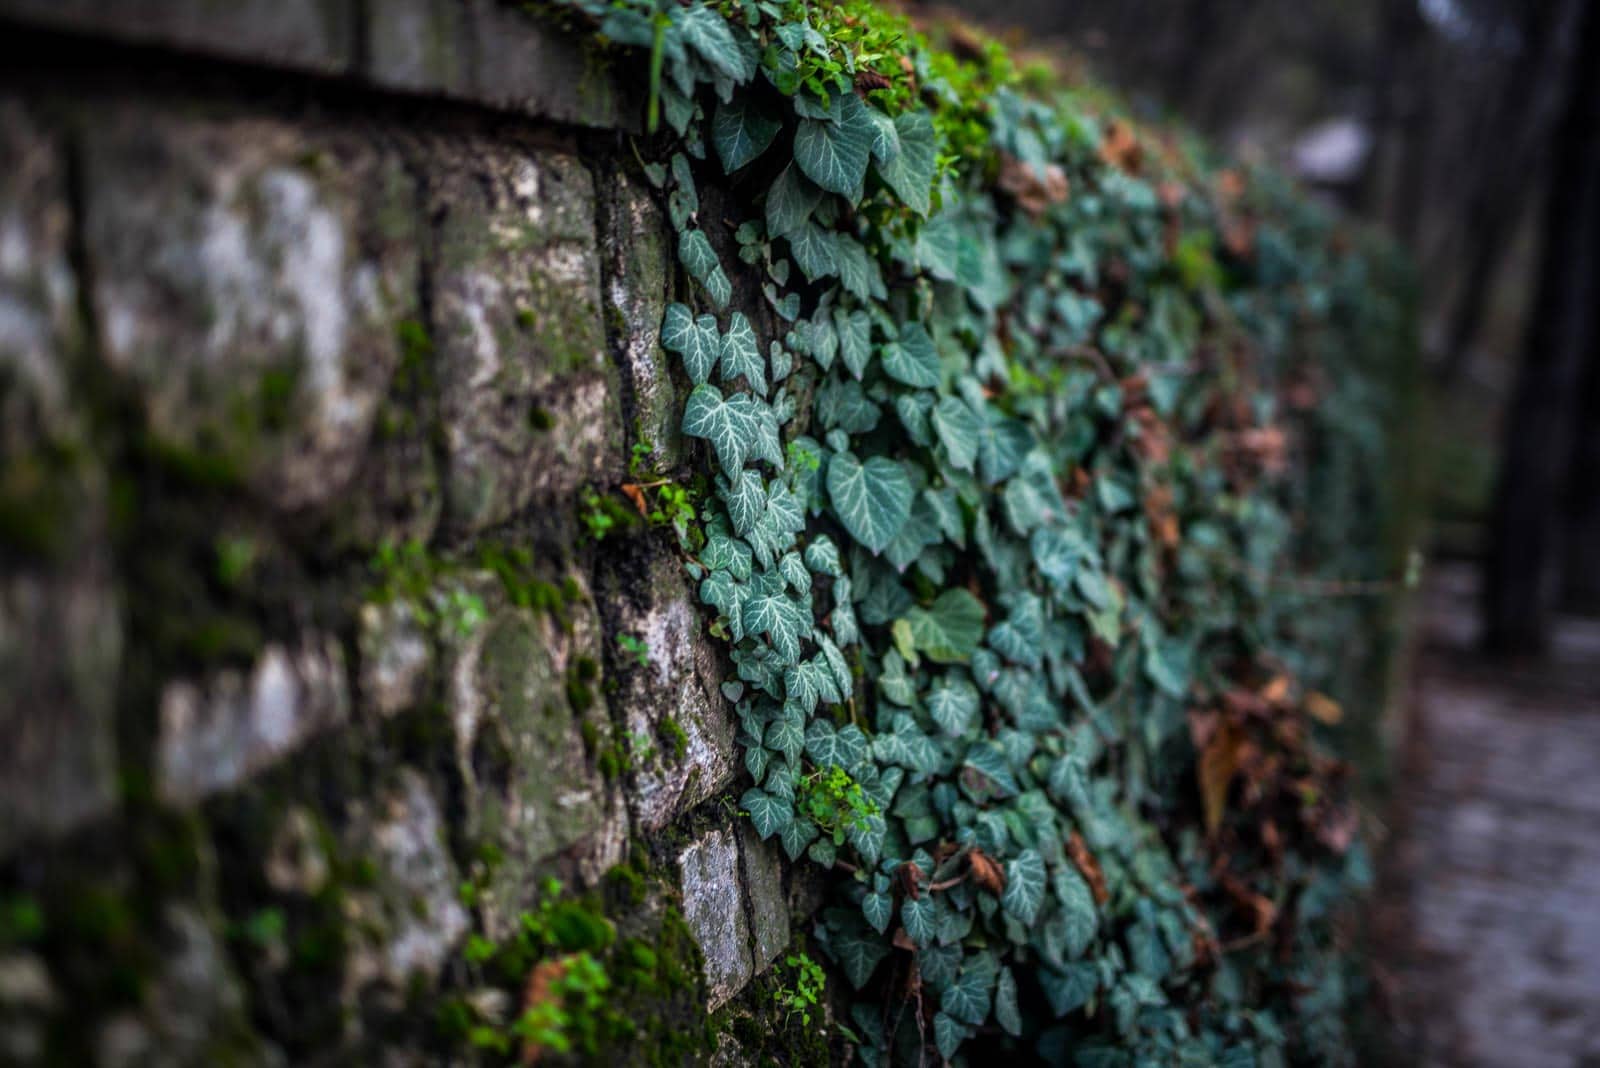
column 954, row 707
column 745, row 497
column 1078, row 913
column 741, row 354
column 1025, row 886
column 909, row 172
column 949, row 630
column 800, row 833
column 917, row 916
column 709, row 34
column 959, row 429
column 857, row 951
column 855, row 339
column 769, row 814
column 815, row 250
column 835, row 154
column 1001, row 447
column 913, row 359
column 700, row 260
column 786, row 734
column 1069, row 990
column 948, row 1034
column 871, row 499
column 726, row 425
column 1006, row 1012
column 741, row 130
column 967, row 999
column 790, row 201
column 693, row 339
column 843, row 747
column 771, row 611
column 822, row 556
column 858, row 271
column 879, row 910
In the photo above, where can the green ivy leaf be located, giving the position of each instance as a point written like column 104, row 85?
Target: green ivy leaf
column 857, row 950
column 696, row 340
column 967, row 999
column 741, row 130
column 1076, row 902
column 790, row 201
column 909, row 172
column 1069, row 990
column 913, row 359
column 727, row 426
column 954, row 707
column 700, row 260
column 855, row 339
column 1006, row 1012
column 871, row 499
column 916, row 914
column 959, row 429
column 815, row 250
column 769, row 814
column 949, row 630
column 835, row 154
column 1025, row 886
column 741, row 354
column 879, row 910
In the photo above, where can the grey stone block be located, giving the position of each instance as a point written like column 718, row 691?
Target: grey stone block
column 250, row 280
column 769, row 906
column 309, row 35
column 395, row 657
column 647, row 596
column 60, row 626
column 217, row 733
column 528, row 394
column 412, row 909
column 637, row 261
column 532, row 787
column 713, row 906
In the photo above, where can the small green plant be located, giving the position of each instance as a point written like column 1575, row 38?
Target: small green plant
column 602, row 514
column 803, row 989
column 637, row 648
column 835, row 802
column 236, row 555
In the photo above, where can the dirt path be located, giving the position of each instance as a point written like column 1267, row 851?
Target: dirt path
column 1490, row 942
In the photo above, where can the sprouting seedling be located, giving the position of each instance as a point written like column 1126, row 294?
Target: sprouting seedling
column 635, row 647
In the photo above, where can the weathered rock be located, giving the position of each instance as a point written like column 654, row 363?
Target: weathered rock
column 251, row 279
column 412, row 905
column 215, row 734
column 314, row 35
column 671, row 706
column 193, row 1010
column 395, row 657
column 60, row 643
column 637, row 262
column 763, row 882
column 528, row 396
column 296, row 862
column 713, row 906
column 523, row 692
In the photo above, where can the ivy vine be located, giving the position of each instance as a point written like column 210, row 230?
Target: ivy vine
column 998, row 513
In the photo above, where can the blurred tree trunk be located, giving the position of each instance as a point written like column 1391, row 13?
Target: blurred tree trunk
column 1540, row 428
column 1510, row 158
column 1397, row 78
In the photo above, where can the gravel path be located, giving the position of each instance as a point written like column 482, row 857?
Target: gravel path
column 1490, row 932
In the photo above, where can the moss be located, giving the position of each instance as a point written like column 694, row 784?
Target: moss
column 539, row 419
column 674, row 740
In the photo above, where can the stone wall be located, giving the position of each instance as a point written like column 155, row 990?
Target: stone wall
column 327, row 332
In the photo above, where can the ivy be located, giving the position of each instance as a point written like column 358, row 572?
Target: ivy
column 1004, row 467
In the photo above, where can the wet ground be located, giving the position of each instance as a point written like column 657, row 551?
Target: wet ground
column 1489, row 935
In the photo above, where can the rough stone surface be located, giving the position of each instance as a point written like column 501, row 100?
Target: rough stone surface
column 213, row 734
column 313, row 35
column 528, row 394
column 251, row 280
column 413, row 904
column 763, row 884
column 714, row 909
column 395, row 657
column 533, row 789
column 676, row 690
column 637, row 266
